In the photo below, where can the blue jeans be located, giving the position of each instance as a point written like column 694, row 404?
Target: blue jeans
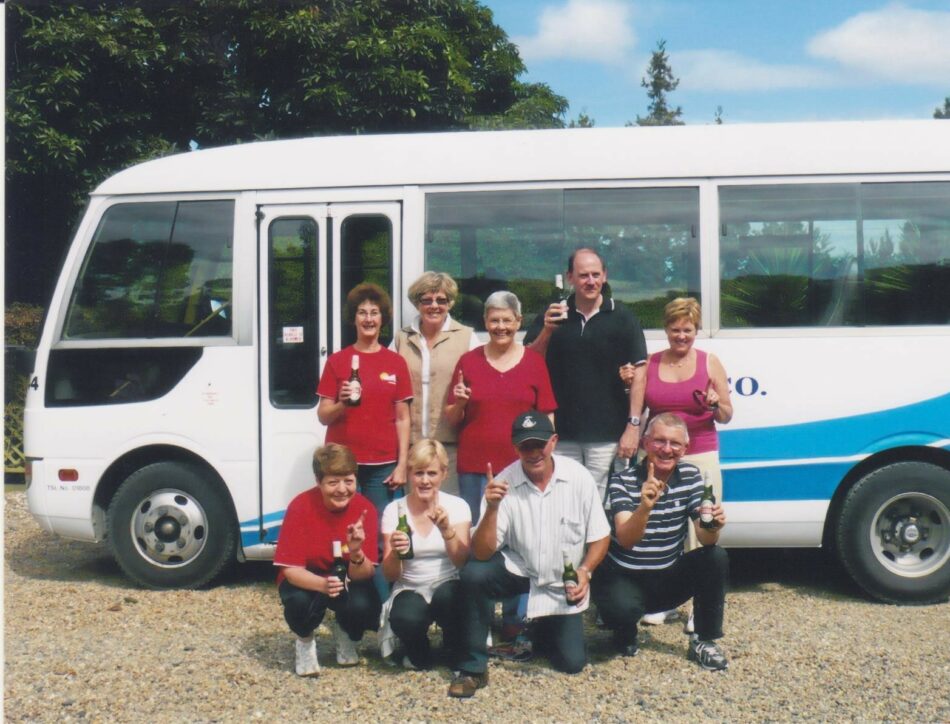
column 472, row 490
column 561, row 638
column 369, row 480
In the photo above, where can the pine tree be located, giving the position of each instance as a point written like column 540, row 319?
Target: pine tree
column 945, row 111
column 660, row 81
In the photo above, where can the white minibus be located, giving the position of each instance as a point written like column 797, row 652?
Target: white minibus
column 171, row 411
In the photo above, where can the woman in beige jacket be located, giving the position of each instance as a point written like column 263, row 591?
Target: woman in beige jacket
column 431, row 346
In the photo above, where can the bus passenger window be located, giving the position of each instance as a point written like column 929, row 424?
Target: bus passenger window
column 519, row 240
column 820, row 255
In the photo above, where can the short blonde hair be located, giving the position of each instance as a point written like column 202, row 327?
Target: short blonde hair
column 682, row 307
column 425, row 451
column 432, row 283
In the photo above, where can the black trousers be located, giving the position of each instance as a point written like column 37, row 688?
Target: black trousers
column 356, row 613
column 560, row 638
column 623, row 596
column 411, row 617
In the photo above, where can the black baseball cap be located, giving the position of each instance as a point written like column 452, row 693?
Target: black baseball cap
column 531, row 425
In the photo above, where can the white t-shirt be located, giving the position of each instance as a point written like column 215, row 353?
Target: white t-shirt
column 430, row 565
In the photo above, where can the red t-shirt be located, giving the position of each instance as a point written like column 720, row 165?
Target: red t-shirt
column 497, row 399
column 309, row 529
column 369, row 429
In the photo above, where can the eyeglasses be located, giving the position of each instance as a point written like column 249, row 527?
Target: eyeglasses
column 429, row 301
column 660, row 443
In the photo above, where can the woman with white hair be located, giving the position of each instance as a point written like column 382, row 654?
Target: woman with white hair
column 491, row 386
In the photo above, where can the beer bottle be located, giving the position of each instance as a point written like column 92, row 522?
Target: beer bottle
column 570, row 575
column 356, row 387
column 403, row 527
column 338, row 568
column 559, row 296
column 706, row 504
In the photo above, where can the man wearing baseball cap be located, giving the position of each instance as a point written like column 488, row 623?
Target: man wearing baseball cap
column 538, row 514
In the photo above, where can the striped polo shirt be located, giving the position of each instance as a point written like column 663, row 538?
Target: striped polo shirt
column 662, row 543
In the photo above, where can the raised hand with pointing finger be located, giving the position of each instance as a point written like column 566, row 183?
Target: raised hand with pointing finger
column 495, row 490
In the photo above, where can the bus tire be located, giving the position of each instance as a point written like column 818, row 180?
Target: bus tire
column 169, row 526
column 893, row 534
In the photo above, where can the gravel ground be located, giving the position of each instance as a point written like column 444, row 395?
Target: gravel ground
column 82, row 644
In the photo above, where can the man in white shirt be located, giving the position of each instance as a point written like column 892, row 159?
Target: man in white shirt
column 539, row 511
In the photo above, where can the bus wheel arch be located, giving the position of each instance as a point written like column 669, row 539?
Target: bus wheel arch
column 170, row 522
column 891, row 530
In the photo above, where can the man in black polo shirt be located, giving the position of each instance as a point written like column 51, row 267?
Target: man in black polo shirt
column 651, row 505
column 596, row 419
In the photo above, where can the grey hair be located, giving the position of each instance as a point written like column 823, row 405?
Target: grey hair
column 503, row 300
column 669, row 419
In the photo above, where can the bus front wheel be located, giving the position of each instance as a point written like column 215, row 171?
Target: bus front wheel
column 169, row 526
column 893, row 535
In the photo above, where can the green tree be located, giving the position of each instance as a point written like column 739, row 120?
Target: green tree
column 582, row 121
column 945, row 111
column 96, row 86
column 659, row 82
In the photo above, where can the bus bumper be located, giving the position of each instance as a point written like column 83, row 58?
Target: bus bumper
column 64, row 507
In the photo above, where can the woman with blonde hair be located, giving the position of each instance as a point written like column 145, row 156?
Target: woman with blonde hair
column 426, row 585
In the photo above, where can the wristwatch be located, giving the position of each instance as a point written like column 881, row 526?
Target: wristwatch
column 635, row 421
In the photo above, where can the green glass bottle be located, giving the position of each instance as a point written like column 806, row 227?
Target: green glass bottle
column 706, row 504
column 570, row 575
column 338, row 568
column 403, row 527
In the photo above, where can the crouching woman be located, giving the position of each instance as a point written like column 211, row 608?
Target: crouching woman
column 327, row 522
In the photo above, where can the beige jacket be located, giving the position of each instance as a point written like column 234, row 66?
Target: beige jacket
column 451, row 344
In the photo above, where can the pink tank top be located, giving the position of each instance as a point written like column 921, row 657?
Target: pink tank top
column 678, row 397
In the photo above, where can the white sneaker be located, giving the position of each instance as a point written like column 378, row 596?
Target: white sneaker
column 658, row 618
column 307, row 664
column 346, row 654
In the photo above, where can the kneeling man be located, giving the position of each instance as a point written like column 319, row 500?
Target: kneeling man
column 652, row 503
column 539, row 512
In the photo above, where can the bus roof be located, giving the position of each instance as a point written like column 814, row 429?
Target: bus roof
column 729, row 150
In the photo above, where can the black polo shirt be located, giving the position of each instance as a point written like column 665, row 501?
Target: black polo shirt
column 583, row 361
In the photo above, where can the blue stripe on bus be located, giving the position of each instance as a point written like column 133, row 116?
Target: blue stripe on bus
column 920, row 423
column 783, row 482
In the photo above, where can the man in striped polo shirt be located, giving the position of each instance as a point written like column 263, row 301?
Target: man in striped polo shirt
column 651, row 504
column 539, row 512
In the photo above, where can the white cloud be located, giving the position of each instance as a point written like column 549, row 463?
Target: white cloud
column 726, row 70
column 595, row 30
column 895, row 43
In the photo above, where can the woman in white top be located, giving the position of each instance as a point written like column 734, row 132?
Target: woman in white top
column 426, row 587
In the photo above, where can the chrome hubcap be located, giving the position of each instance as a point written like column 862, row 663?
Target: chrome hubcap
column 169, row 528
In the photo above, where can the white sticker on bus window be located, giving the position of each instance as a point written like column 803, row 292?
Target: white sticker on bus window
column 293, row 335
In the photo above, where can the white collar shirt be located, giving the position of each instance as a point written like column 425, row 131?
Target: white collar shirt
column 535, row 530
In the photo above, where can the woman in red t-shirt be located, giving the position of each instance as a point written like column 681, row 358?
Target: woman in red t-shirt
column 493, row 384
column 377, row 428
column 332, row 512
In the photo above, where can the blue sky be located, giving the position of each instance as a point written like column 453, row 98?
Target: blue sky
column 761, row 60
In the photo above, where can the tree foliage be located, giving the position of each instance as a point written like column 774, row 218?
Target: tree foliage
column 659, row 82
column 945, row 111
column 94, row 87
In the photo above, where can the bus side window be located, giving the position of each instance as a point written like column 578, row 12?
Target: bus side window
column 366, row 243
column 160, row 269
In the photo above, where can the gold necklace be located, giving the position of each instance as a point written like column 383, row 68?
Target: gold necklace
column 681, row 362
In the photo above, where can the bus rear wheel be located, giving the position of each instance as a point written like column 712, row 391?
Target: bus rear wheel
column 893, row 535
column 169, row 526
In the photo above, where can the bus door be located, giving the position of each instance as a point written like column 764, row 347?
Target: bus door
column 311, row 256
